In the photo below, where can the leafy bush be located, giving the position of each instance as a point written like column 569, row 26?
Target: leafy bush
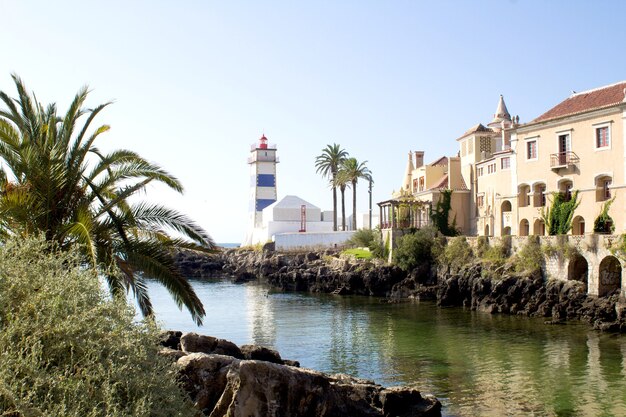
column 604, row 223
column 68, row 349
column 530, row 257
column 415, row 249
column 457, row 253
column 558, row 217
column 363, row 238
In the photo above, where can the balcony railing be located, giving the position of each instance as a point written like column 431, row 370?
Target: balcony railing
column 563, row 159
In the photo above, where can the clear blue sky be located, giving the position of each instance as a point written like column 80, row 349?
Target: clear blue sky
column 196, row 82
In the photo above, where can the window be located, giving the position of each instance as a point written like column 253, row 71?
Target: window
column 480, row 201
column 603, row 139
column 479, row 172
column 505, row 163
column 531, row 149
column 421, row 186
column 607, row 190
column 491, row 168
column 414, row 185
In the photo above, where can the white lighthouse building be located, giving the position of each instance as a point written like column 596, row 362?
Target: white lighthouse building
column 291, row 222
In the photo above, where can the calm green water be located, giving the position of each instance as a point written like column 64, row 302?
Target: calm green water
column 476, row 364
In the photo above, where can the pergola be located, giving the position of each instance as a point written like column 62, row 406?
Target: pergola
column 404, row 213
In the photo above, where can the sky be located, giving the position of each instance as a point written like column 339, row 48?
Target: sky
column 195, row 83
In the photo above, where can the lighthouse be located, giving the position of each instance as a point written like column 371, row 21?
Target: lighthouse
column 262, row 163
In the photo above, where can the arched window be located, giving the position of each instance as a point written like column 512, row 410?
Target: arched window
column 524, row 228
column 603, row 187
column 578, row 225
column 523, row 195
column 539, row 228
column 539, row 195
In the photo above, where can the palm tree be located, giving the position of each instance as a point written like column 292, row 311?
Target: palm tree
column 328, row 164
column 55, row 181
column 351, row 171
column 342, row 182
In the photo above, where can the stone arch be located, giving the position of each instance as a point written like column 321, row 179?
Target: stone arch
column 610, row 277
column 539, row 194
column 524, row 228
column 578, row 225
column 523, row 195
column 565, row 187
column 486, row 230
column 506, row 206
column 539, row 228
column 578, row 269
column 603, row 187
column 506, row 231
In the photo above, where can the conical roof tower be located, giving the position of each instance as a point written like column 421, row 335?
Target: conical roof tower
column 502, row 115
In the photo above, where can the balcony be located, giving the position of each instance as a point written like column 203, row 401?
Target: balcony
column 563, row 160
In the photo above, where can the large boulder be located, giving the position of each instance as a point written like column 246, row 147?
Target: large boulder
column 224, row 386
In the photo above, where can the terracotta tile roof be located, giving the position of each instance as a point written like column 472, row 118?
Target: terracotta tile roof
column 476, row 129
column 597, row 98
column 441, row 161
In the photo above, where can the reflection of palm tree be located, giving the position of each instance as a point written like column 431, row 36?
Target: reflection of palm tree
column 64, row 187
column 328, row 164
column 351, row 171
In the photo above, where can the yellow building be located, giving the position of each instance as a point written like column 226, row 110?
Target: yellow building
column 576, row 145
column 505, row 172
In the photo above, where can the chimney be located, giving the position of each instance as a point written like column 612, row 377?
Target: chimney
column 419, row 159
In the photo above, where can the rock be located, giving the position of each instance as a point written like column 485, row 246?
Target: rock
column 223, row 386
column 261, row 353
column 193, row 342
column 172, row 354
column 401, row 401
column 225, row 347
column 170, row 339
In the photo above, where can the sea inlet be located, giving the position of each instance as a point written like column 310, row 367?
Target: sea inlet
column 476, row 364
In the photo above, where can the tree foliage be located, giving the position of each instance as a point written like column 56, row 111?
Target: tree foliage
column 604, row 222
column 68, row 349
column 351, row 171
column 558, row 217
column 327, row 164
column 415, row 249
column 55, row 181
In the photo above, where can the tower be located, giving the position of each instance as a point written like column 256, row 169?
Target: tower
column 262, row 163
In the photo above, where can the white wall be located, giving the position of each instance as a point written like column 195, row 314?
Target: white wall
column 310, row 241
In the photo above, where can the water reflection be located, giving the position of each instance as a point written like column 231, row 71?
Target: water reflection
column 477, row 364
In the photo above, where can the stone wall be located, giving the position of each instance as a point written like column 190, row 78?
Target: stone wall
column 594, row 262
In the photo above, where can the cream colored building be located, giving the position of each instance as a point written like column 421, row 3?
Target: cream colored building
column 505, row 172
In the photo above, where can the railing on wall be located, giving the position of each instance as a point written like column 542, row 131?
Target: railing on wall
column 563, row 159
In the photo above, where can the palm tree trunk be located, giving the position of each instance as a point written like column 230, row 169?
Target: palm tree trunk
column 353, row 205
column 343, row 208
column 334, row 207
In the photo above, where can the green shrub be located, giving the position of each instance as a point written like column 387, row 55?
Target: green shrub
column 530, row 256
column 558, row 217
column 68, row 349
column 604, row 222
column 414, row 249
column 457, row 253
column 363, row 238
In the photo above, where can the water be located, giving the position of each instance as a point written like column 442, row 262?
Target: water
column 476, row 364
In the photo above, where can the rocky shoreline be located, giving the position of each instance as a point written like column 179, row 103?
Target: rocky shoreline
column 223, row 379
column 503, row 291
